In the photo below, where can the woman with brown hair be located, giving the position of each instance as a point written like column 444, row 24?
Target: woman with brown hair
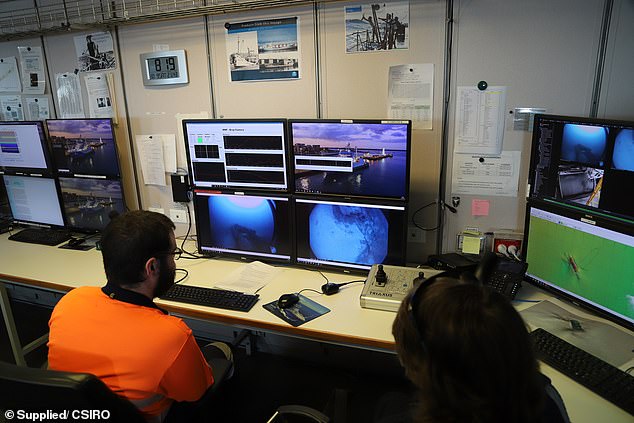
column 468, row 352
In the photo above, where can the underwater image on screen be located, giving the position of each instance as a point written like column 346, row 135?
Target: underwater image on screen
column 348, row 233
column 243, row 223
column 623, row 156
column 584, row 144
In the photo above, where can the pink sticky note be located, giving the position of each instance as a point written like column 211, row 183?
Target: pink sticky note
column 479, row 207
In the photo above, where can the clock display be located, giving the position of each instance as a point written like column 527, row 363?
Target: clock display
column 165, row 67
column 160, row 68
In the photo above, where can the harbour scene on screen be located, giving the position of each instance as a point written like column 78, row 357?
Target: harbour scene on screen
column 83, row 146
column 366, row 159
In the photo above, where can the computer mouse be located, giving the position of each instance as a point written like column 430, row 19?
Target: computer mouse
column 75, row 242
column 287, row 300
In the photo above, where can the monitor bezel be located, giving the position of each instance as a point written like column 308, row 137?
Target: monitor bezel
column 408, row 152
column 240, row 255
column 86, row 229
column 231, row 187
column 534, row 159
column 585, row 217
column 48, row 157
column 345, row 267
column 70, row 173
column 31, row 223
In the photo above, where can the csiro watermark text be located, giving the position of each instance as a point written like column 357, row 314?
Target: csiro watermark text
column 40, row 416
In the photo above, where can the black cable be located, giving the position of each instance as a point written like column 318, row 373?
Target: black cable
column 443, row 207
column 189, row 255
column 309, row 289
column 184, row 277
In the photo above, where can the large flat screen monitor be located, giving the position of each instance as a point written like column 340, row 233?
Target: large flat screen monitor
column 583, row 258
column 23, row 148
column 583, row 162
column 34, row 200
column 83, row 147
column 361, row 158
column 243, row 226
column 349, row 236
column 89, row 203
column 240, row 154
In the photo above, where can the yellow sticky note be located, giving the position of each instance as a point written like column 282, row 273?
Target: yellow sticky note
column 471, row 245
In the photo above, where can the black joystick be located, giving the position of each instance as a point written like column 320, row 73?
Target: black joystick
column 420, row 278
column 381, row 276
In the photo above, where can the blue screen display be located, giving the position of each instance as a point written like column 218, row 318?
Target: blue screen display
column 243, row 225
column 584, row 144
column 349, row 235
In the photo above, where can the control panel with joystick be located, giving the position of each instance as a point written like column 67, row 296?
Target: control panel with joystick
column 387, row 285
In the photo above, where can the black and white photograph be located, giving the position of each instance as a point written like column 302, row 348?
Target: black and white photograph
column 95, row 51
column 377, row 26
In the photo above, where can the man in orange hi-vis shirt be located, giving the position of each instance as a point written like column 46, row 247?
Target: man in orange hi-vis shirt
column 117, row 332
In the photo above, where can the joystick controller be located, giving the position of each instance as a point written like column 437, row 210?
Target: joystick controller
column 381, row 276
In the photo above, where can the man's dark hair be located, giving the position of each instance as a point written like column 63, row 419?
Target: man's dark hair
column 130, row 240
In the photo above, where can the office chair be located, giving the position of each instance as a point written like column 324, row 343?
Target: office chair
column 38, row 390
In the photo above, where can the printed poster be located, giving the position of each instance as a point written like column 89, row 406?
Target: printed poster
column 95, row 51
column 38, row 108
column 11, row 106
column 9, row 76
column 263, row 50
column 33, row 75
column 377, row 26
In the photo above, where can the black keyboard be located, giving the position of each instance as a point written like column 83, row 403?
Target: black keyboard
column 217, row 298
column 595, row 374
column 42, row 236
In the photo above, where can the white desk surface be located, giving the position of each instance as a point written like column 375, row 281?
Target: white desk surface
column 347, row 323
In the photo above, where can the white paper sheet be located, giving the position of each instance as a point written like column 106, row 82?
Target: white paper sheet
column 9, row 76
column 476, row 175
column 479, row 120
column 249, row 278
column 69, row 98
column 11, row 106
column 37, row 108
column 151, row 158
column 169, row 151
column 411, row 94
column 99, row 103
column 33, row 75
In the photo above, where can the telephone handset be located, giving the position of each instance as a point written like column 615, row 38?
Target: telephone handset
column 502, row 275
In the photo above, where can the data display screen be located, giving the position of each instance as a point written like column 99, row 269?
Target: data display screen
column 34, row 200
column 23, row 148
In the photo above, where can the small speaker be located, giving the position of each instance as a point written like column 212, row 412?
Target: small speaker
column 180, row 188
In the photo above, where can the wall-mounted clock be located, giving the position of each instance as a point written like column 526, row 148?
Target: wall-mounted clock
column 164, row 67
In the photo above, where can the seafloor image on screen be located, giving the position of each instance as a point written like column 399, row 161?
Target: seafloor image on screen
column 623, row 156
column 89, row 202
column 366, row 159
column 83, row 146
column 584, row 144
column 248, row 224
column 348, row 234
column 587, row 265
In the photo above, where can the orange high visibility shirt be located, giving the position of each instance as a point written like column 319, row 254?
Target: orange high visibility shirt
column 138, row 351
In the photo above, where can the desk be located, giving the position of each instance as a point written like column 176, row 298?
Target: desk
column 346, row 324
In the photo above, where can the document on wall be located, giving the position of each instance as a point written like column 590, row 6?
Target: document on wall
column 249, row 278
column 411, row 93
column 168, row 141
column 99, row 103
column 11, row 106
column 69, row 98
column 33, row 75
column 480, row 120
column 151, row 158
column 38, row 108
column 9, row 76
column 495, row 175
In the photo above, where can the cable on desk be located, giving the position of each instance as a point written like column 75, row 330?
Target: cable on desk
column 184, row 277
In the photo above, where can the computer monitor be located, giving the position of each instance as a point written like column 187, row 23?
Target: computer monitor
column 34, row 200
column 583, row 162
column 83, row 147
column 241, row 154
column 89, row 203
column 584, row 258
column 249, row 226
column 349, row 236
column 361, row 158
column 23, row 148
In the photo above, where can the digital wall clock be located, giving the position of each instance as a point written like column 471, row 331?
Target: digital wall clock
column 164, row 67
